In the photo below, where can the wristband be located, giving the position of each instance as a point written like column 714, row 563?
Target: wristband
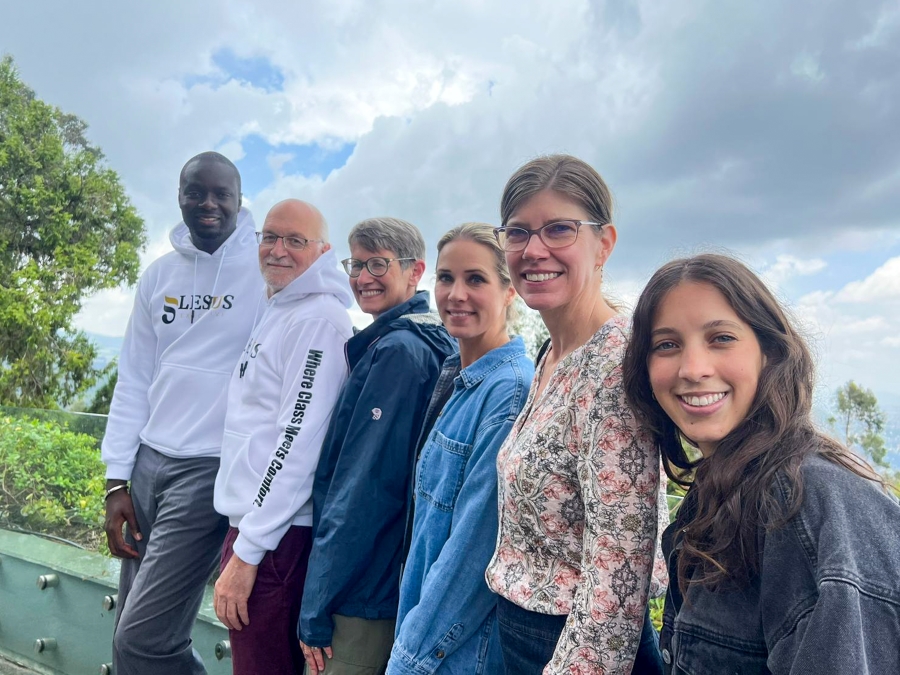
column 114, row 488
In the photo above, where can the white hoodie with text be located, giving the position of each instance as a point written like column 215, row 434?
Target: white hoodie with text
column 280, row 400
column 193, row 312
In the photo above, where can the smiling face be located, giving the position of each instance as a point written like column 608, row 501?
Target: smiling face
column 280, row 265
column 553, row 278
column 704, row 363
column 377, row 295
column 209, row 195
column 470, row 297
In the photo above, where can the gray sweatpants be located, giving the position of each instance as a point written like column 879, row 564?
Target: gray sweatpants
column 160, row 592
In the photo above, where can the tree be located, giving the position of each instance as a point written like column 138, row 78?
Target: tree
column 67, row 229
column 861, row 422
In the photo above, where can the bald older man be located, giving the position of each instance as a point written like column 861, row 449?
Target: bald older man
column 280, row 400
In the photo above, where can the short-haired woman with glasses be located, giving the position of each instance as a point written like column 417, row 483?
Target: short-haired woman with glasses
column 578, row 477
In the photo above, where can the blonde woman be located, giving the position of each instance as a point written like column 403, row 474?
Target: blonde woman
column 447, row 617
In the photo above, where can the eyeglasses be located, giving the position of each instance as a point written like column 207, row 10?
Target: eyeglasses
column 558, row 234
column 377, row 266
column 268, row 240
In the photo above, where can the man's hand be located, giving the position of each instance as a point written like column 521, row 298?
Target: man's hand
column 120, row 510
column 232, row 590
column 315, row 657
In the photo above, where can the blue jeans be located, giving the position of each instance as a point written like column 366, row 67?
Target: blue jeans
column 528, row 640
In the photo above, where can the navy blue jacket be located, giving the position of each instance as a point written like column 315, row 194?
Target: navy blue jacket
column 364, row 474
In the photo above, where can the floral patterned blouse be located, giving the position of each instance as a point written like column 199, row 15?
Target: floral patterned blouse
column 578, row 494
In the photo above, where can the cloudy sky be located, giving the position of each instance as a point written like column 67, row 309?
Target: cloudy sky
column 769, row 129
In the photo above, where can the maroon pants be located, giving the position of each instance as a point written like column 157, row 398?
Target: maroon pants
column 270, row 643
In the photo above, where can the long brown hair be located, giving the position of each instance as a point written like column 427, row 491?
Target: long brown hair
column 731, row 490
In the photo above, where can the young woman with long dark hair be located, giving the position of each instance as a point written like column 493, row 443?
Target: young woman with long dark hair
column 785, row 555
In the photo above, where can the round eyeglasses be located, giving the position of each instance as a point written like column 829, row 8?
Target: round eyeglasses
column 377, row 265
column 268, row 240
column 558, row 234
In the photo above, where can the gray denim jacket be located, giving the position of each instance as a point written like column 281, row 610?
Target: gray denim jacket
column 826, row 601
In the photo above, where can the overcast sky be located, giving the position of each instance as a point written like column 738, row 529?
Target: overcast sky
column 768, row 129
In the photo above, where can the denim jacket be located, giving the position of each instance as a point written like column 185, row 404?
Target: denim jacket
column 446, row 621
column 826, row 600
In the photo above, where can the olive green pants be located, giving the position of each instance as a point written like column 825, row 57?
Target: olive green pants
column 360, row 646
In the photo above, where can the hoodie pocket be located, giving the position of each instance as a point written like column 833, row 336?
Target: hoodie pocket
column 442, row 469
column 236, row 482
column 187, row 409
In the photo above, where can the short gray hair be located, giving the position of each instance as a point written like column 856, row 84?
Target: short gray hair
column 390, row 234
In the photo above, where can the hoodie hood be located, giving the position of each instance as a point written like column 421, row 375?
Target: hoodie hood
column 244, row 235
column 323, row 276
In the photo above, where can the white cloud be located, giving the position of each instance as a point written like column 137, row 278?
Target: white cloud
column 884, row 28
column 856, row 330
column 106, row 312
column 232, row 149
column 883, row 285
column 787, row 267
column 806, row 66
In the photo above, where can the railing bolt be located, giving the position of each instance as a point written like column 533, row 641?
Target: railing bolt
column 44, row 645
column 109, row 602
column 106, row 669
column 47, row 581
column 223, row 649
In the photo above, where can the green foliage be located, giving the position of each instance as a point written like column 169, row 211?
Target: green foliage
column 51, row 479
column 861, row 422
column 656, row 611
column 67, row 229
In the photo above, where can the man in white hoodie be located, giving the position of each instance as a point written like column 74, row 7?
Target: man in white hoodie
column 193, row 312
column 280, row 400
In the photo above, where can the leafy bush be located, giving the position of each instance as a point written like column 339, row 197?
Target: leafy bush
column 656, row 611
column 51, row 479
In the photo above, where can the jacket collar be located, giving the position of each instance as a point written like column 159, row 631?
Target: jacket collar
column 472, row 375
column 359, row 343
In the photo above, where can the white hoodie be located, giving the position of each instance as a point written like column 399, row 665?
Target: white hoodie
column 193, row 312
column 280, row 400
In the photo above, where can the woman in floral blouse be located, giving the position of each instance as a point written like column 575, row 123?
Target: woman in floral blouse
column 578, row 477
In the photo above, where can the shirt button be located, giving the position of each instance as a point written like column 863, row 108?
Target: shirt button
column 440, row 653
column 667, row 657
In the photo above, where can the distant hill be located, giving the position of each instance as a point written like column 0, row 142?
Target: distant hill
column 108, row 347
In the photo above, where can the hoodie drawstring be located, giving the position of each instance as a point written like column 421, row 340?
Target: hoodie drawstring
column 215, row 281
column 219, row 271
column 194, row 287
